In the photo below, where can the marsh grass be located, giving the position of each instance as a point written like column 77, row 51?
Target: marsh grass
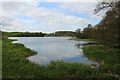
column 79, row 39
column 107, row 57
column 0, row 58
column 15, row 65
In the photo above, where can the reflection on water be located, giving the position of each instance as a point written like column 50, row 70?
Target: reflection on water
column 54, row 48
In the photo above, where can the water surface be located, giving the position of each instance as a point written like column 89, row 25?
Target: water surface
column 54, row 48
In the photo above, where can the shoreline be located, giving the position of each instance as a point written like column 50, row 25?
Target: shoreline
column 14, row 56
column 95, row 52
column 53, row 60
column 92, row 40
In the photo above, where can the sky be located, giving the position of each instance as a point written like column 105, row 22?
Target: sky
column 47, row 15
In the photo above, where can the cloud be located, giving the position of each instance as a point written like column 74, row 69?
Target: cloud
column 80, row 7
column 86, row 8
column 56, row 19
column 11, row 24
column 17, row 8
column 43, row 18
column 49, row 0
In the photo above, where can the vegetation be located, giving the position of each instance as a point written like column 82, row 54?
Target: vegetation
column 79, row 39
column 108, row 30
column 0, row 58
column 65, row 33
column 108, row 58
column 15, row 65
column 23, row 34
column 109, row 26
column 39, row 34
column 62, row 34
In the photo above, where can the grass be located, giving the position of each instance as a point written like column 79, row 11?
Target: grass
column 0, row 57
column 15, row 65
column 93, row 41
column 79, row 39
column 108, row 58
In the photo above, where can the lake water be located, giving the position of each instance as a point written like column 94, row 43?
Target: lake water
column 54, row 48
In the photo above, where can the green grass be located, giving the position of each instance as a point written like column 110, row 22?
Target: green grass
column 15, row 65
column 78, row 39
column 0, row 58
column 108, row 58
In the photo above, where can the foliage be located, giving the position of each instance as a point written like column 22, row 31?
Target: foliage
column 61, row 34
column 40, row 34
column 15, row 65
column 23, row 34
column 0, row 58
column 79, row 34
column 65, row 33
column 108, row 30
column 106, row 5
column 89, row 32
column 107, row 56
column 78, row 39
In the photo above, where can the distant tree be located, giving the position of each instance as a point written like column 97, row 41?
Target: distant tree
column 23, row 34
column 65, row 33
column 79, row 33
column 89, row 25
column 89, row 32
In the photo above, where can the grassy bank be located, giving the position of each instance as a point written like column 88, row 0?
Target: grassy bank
column 108, row 58
column 79, row 39
column 15, row 65
column 0, row 58
column 92, row 40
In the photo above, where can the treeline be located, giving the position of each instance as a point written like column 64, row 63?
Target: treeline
column 39, row 34
column 62, row 34
column 108, row 30
column 23, row 34
column 89, row 32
